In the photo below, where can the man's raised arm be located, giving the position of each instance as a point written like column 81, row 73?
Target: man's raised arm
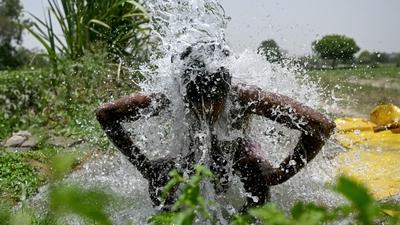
column 315, row 128
column 110, row 116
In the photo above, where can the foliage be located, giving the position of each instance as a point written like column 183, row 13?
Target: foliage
column 365, row 57
column 21, row 173
column 88, row 204
column 120, row 24
column 190, row 204
column 270, row 50
column 363, row 208
column 380, row 57
column 65, row 102
column 10, row 33
column 31, row 59
column 23, row 95
column 17, row 178
column 335, row 47
column 397, row 60
column 64, row 200
column 11, row 16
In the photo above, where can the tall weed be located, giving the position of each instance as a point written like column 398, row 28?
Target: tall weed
column 121, row 25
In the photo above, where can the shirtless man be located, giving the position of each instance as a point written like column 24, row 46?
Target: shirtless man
column 206, row 95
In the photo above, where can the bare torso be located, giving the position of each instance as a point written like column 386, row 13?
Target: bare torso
column 249, row 163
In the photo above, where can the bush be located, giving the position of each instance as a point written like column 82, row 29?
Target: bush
column 64, row 102
column 122, row 25
column 17, row 177
column 23, row 96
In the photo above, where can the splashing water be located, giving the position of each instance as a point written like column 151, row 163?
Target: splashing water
column 177, row 25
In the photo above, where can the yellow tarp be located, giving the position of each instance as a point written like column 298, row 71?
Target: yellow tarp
column 372, row 158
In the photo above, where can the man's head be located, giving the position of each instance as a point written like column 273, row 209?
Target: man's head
column 206, row 84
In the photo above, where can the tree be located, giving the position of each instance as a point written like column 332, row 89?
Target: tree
column 335, row 47
column 364, row 57
column 10, row 32
column 397, row 59
column 380, row 57
column 270, row 50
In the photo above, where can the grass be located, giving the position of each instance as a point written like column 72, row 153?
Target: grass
column 48, row 105
column 360, row 89
column 361, row 71
column 65, row 103
column 21, row 174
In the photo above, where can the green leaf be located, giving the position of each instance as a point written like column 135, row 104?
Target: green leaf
column 185, row 218
column 175, row 180
column 61, row 165
column 269, row 214
column 240, row 220
column 136, row 5
column 358, row 195
column 89, row 204
column 101, row 23
column 165, row 218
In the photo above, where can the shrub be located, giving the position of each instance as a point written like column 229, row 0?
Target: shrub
column 23, row 95
column 120, row 24
column 64, row 102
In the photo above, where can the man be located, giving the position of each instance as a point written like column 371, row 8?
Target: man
column 206, row 93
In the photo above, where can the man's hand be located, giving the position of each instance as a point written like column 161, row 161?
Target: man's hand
column 110, row 116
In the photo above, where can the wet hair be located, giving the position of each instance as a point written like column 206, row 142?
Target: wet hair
column 202, row 84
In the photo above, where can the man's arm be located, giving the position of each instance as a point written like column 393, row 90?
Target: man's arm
column 315, row 128
column 110, row 116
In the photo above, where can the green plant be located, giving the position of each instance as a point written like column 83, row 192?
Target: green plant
column 120, row 24
column 363, row 209
column 91, row 205
column 63, row 200
column 37, row 99
column 18, row 178
column 190, row 204
column 23, row 95
column 271, row 51
column 335, row 47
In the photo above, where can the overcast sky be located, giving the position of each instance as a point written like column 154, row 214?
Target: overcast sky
column 294, row 24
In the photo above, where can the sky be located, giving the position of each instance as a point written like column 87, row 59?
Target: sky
column 295, row 24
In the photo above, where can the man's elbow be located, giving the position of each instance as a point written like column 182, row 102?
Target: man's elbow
column 321, row 126
column 103, row 113
column 327, row 127
column 330, row 125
